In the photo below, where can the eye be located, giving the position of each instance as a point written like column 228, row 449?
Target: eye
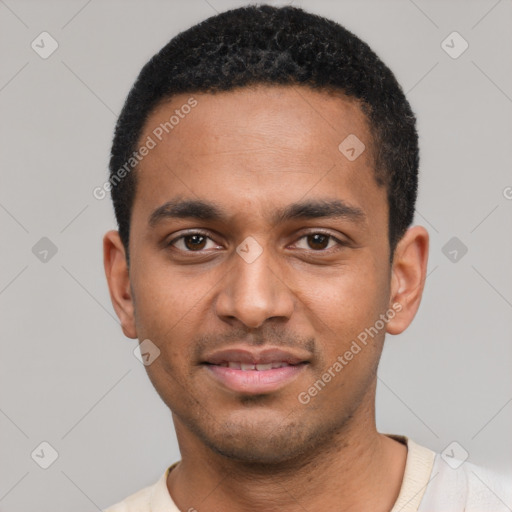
column 197, row 241
column 194, row 241
column 319, row 241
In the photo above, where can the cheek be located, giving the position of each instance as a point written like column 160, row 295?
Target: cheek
column 165, row 302
column 348, row 300
column 343, row 312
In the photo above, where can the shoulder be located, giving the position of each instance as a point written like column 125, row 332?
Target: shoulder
column 486, row 486
column 457, row 486
column 139, row 501
column 151, row 498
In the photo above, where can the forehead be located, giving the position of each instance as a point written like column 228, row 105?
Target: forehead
column 297, row 119
column 264, row 145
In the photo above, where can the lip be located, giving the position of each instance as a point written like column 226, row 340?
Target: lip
column 253, row 356
column 254, row 382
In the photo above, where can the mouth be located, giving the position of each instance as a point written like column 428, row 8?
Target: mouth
column 261, row 367
column 254, row 379
column 249, row 372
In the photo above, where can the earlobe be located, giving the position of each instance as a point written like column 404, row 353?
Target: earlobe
column 408, row 276
column 118, row 279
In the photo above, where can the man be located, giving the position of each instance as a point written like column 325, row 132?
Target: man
column 264, row 175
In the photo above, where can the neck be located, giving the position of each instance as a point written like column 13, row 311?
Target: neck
column 356, row 469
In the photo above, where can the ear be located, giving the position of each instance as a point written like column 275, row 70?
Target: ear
column 116, row 270
column 408, row 274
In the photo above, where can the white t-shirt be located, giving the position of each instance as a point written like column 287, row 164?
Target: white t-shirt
column 430, row 484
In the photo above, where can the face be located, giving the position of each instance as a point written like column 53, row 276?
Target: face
column 259, row 255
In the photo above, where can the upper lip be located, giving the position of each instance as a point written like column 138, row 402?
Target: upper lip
column 254, row 356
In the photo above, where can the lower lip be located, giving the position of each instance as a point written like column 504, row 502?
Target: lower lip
column 254, row 381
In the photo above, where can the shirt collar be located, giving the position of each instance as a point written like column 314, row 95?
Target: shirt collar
column 418, row 468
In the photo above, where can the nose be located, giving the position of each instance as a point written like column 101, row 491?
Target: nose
column 254, row 291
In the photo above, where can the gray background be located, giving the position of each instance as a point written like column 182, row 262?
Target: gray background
column 67, row 374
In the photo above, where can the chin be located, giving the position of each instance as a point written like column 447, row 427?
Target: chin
column 263, row 454
column 260, row 444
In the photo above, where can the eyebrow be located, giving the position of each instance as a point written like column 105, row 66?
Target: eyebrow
column 210, row 211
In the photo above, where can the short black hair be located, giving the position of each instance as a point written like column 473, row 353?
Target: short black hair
column 262, row 44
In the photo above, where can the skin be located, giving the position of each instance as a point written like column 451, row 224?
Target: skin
column 252, row 151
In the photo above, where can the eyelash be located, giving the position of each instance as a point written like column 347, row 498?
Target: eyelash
column 317, row 232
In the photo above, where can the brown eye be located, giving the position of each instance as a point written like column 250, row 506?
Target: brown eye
column 318, row 241
column 194, row 242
